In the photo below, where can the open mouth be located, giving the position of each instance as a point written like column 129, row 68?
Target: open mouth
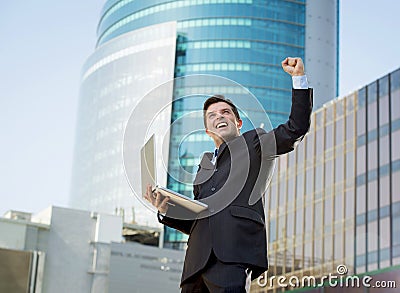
column 221, row 125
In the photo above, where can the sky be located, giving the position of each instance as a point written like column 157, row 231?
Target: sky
column 43, row 46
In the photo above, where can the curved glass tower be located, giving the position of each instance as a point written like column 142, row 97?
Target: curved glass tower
column 242, row 40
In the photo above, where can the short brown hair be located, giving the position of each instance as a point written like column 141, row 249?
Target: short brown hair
column 216, row 99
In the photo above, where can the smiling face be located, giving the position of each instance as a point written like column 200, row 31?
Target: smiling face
column 221, row 123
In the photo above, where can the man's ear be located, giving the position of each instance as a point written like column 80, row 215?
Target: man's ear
column 208, row 132
column 239, row 123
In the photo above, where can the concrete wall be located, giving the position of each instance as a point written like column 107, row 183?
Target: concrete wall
column 82, row 251
column 321, row 47
column 139, row 268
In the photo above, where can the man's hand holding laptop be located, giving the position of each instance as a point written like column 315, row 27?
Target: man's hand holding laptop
column 157, row 199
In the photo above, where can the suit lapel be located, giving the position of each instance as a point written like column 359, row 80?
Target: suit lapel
column 221, row 150
column 205, row 162
column 206, row 169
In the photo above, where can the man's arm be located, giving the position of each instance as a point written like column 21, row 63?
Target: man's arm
column 172, row 216
column 183, row 219
column 289, row 134
column 177, row 223
column 284, row 138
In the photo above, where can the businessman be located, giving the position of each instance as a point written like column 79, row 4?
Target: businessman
column 227, row 248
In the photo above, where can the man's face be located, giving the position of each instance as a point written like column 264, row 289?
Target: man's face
column 221, row 123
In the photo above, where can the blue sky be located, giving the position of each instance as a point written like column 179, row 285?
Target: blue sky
column 43, row 47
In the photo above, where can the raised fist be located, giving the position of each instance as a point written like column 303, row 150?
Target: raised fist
column 293, row 66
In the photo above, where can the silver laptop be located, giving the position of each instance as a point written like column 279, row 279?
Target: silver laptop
column 149, row 176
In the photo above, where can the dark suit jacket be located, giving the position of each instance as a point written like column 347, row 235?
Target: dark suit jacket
column 234, row 227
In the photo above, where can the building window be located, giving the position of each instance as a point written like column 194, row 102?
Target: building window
column 395, row 101
column 395, row 81
column 361, row 200
column 361, row 121
column 372, row 116
column 396, row 145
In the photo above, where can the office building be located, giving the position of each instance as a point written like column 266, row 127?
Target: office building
column 143, row 44
column 67, row 250
column 335, row 200
column 114, row 80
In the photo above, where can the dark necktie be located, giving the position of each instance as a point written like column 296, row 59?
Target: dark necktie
column 214, row 159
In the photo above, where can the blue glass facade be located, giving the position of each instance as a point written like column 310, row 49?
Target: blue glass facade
column 243, row 40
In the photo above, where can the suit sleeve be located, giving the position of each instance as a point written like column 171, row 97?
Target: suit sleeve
column 179, row 224
column 284, row 138
column 176, row 215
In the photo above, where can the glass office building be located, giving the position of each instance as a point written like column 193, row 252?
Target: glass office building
column 229, row 38
column 335, row 200
column 111, row 88
column 378, row 175
column 242, row 40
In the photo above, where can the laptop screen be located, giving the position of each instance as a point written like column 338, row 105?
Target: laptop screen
column 147, row 164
